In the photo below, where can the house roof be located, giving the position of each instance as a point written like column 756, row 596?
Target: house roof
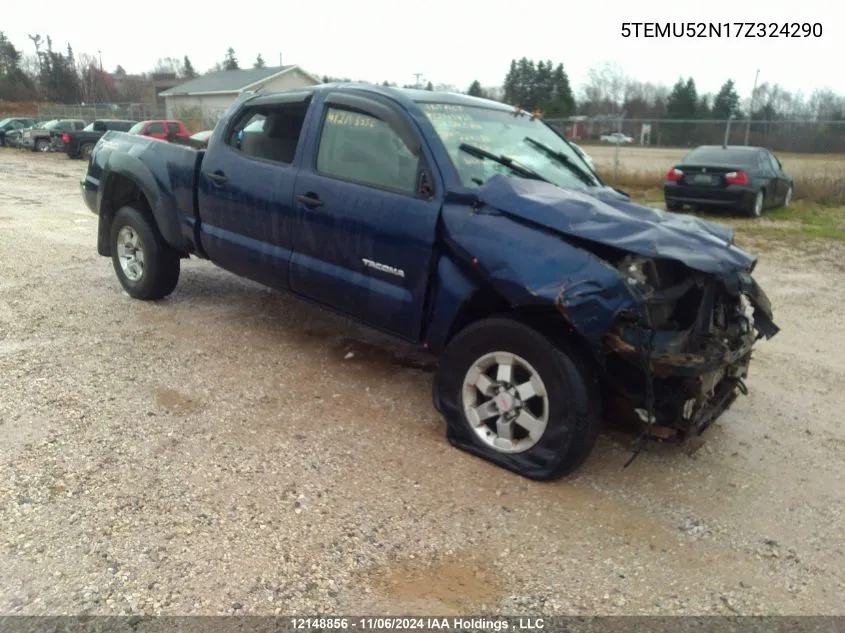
column 229, row 81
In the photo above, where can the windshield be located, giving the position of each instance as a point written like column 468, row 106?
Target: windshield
column 88, row 128
column 504, row 133
column 136, row 129
column 4, row 122
column 49, row 125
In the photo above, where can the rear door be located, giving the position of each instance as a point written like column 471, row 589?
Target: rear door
column 174, row 128
column 245, row 189
column 366, row 214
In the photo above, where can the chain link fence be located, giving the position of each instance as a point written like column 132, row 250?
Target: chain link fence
column 813, row 153
column 805, row 137
column 90, row 112
column 199, row 118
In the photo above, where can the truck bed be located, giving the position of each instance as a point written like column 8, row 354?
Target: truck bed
column 168, row 173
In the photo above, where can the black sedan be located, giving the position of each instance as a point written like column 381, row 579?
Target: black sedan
column 735, row 176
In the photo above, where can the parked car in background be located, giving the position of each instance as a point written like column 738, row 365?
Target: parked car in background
column 161, row 129
column 39, row 139
column 15, row 123
column 749, row 179
column 78, row 144
column 617, row 138
column 468, row 228
column 584, row 156
column 14, row 137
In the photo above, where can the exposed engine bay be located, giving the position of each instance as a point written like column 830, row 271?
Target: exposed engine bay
column 680, row 360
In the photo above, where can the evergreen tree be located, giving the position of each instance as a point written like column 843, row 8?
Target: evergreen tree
column 188, row 68
column 429, row 86
column 726, row 101
column 259, row 62
column 230, row 62
column 475, row 90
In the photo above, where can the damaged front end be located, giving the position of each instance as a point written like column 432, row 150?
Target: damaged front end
column 678, row 358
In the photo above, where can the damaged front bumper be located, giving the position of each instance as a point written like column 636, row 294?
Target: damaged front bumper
column 678, row 359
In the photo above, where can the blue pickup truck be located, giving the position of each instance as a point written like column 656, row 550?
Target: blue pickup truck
column 468, row 227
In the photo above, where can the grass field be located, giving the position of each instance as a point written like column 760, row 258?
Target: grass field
column 818, row 177
column 817, row 211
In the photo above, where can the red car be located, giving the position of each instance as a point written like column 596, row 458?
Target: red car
column 161, row 129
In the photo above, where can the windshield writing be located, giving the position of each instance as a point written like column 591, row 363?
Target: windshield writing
column 501, row 132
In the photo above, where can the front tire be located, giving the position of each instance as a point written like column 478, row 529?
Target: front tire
column 674, row 206
column 513, row 397
column 145, row 265
column 787, row 198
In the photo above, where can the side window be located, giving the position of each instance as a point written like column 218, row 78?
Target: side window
column 155, row 128
column 173, row 127
column 269, row 132
column 773, row 161
column 361, row 148
column 763, row 163
column 78, row 125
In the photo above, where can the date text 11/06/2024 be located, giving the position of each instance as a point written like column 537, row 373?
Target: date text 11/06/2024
column 721, row 29
column 406, row 623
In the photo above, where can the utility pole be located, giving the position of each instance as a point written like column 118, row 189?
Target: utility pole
column 418, row 75
column 618, row 143
column 751, row 107
column 728, row 130
column 100, row 53
column 280, row 59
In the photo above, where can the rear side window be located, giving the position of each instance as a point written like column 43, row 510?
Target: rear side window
column 773, row 161
column 363, row 149
column 155, row 128
column 269, row 132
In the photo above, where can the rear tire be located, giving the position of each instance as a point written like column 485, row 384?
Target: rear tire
column 41, row 145
column 563, row 410
column 674, row 206
column 145, row 265
column 85, row 151
column 755, row 208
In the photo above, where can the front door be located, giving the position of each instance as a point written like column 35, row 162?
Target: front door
column 780, row 178
column 246, row 190
column 156, row 130
column 366, row 215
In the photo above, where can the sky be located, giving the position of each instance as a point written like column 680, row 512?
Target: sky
column 456, row 41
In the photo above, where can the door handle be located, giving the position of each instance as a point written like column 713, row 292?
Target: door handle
column 217, row 176
column 310, row 200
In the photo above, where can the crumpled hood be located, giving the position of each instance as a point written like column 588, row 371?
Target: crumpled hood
column 605, row 217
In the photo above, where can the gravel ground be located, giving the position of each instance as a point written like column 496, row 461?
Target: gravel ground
column 235, row 450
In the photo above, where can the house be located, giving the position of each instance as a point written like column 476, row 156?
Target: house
column 206, row 98
column 161, row 83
